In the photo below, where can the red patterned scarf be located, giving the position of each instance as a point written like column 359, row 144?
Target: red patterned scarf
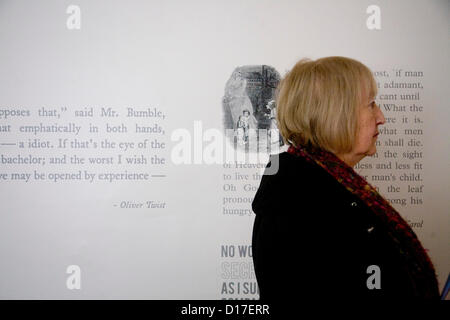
column 417, row 263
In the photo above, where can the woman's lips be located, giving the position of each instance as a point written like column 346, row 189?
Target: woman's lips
column 375, row 135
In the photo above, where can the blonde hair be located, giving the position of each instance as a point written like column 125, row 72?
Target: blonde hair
column 318, row 102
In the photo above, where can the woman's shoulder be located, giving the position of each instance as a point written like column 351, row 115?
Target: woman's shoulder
column 294, row 176
column 292, row 167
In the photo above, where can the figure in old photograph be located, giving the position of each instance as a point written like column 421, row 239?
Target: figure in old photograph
column 246, row 122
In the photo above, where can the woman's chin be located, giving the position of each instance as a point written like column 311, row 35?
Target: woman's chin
column 372, row 151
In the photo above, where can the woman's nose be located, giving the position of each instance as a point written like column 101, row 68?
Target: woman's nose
column 380, row 116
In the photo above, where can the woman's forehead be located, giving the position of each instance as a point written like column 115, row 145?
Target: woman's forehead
column 368, row 91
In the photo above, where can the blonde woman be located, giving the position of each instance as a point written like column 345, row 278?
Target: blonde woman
column 321, row 230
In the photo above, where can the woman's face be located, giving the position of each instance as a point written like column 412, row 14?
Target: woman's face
column 370, row 117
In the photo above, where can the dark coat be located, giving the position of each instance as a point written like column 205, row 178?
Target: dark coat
column 312, row 238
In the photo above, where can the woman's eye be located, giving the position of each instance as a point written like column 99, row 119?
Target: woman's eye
column 372, row 104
